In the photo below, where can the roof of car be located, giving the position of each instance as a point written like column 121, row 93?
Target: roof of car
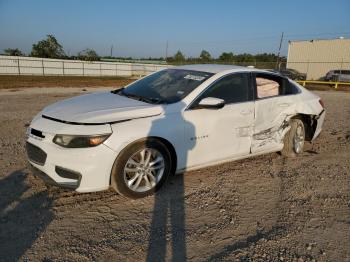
column 213, row 68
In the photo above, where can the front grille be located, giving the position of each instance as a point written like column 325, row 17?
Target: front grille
column 35, row 154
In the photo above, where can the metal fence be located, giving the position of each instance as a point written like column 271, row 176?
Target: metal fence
column 15, row 65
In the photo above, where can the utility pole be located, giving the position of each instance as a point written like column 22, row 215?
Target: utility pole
column 279, row 51
column 111, row 51
column 166, row 51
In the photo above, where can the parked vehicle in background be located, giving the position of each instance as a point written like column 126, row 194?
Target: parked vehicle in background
column 171, row 121
column 338, row 76
column 292, row 74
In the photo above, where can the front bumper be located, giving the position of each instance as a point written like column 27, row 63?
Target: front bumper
column 49, row 181
column 80, row 169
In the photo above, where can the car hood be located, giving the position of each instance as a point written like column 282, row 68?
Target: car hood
column 100, row 108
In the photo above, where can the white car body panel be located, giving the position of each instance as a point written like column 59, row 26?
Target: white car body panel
column 222, row 133
column 200, row 137
column 101, row 107
column 93, row 163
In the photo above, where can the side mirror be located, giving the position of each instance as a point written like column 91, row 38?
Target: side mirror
column 211, row 103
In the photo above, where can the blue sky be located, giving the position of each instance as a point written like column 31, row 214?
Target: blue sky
column 142, row 28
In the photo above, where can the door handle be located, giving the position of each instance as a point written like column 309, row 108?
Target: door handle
column 246, row 112
column 283, row 105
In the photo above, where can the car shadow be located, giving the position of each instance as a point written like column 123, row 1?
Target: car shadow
column 168, row 222
column 168, row 227
column 22, row 218
column 247, row 242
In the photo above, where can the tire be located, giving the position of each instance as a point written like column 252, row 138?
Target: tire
column 294, row 140
column 132, row 177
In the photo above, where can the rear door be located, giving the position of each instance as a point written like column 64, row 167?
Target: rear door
column 219, row 134
column 273, row 102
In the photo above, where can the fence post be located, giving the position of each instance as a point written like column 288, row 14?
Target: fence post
column 116, row 69
column 83, row 69
column 19, row 68
column 100, row 70
column 341, row 64
column 42, row 64
column 63, row 66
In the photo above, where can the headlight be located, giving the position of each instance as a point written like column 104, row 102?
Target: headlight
column 71, row 141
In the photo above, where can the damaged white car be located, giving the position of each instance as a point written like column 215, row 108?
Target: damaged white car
column 171, row 121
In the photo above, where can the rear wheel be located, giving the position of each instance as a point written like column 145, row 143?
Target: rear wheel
column 141, row 169
column 294, row 139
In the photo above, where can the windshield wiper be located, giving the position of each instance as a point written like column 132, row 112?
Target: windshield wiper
column 116, row 91
column 156, row 100
column 151, row 100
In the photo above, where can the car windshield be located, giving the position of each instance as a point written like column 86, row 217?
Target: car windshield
column 166, row 86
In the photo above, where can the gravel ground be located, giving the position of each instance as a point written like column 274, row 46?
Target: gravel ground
column 267, row 208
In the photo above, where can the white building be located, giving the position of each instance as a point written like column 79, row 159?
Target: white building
column 317, row 57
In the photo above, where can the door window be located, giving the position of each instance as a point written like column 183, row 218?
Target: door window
column 266, row 87
column 272, row 85
column 233, row 88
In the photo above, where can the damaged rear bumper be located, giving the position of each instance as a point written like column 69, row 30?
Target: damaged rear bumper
column 320, row 119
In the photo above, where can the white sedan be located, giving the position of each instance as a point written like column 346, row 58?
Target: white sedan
column 174, row 120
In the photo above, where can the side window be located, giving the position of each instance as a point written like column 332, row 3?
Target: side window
column 289, row 88
column 233, row 89
column 271, row 85
column 266, row 87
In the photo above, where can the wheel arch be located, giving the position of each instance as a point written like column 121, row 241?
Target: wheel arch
column 310, row 124
column 164, row 141
column 172, row 151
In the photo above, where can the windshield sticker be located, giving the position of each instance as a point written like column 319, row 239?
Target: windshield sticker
column 194, row 77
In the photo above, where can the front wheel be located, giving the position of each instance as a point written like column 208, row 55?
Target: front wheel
column 294, row 139
column 141, row 169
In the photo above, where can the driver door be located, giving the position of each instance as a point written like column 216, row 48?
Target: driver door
column 222, row 133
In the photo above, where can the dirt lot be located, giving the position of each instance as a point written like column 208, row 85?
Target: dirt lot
column 266, row 208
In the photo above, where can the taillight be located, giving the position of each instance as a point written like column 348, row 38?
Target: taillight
column 321, row 103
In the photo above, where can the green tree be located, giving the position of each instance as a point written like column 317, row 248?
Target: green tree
column 13, row 52
column 179, row 57
column 205, row 56
column 244, row 58
column 226, row 57
column 88, row 55
column 48, row 48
